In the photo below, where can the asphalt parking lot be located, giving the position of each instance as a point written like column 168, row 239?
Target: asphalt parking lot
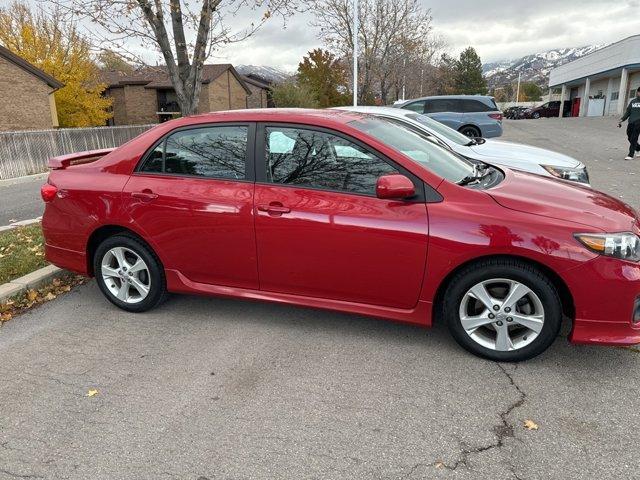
column 207, row 388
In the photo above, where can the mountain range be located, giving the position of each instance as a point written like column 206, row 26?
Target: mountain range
column 533, row 68
column 271, row 74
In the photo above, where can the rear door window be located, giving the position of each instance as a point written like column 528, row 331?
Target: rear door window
column 214, row 152
column 441, row 105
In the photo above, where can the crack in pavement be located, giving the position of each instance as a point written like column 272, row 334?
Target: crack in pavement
column 17, row 475
column 502, row 431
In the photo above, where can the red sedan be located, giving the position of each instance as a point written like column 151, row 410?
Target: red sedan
column 343, row 211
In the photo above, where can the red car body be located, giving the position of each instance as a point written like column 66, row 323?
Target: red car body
column 353, row 253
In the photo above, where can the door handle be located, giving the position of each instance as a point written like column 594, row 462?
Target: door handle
column 145, row 195
column 274, row 208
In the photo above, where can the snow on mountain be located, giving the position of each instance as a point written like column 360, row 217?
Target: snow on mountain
column 271, row 74
column 533, row 68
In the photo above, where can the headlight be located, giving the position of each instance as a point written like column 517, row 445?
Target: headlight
column 625, row 246
column 574, row 174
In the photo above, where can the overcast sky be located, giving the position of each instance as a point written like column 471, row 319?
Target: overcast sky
column 498, row 29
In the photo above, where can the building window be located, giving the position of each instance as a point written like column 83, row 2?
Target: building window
column 615, row 95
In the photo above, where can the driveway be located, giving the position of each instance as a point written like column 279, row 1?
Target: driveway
column 208, row 388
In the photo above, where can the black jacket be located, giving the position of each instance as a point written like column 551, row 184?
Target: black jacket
column 633, row 111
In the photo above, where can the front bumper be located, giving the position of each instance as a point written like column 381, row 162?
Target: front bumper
column 604, row 292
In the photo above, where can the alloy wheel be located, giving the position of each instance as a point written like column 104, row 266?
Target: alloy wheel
column 126, row 275
column 501, row 314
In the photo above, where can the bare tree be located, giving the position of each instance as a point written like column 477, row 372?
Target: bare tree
column 392, row 34
column 184, row 32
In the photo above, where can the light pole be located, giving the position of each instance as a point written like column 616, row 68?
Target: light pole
column 355, row 53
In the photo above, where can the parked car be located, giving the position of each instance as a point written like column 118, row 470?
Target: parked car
column 471, row 115
column 515, row 113
column 495, row 152
column 350, row 212
column 549, row 109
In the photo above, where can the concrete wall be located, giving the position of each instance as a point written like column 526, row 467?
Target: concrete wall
column 26, row 103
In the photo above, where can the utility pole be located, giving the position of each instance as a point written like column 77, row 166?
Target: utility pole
column 404, row 78
column 355, row 53
column 518, row 90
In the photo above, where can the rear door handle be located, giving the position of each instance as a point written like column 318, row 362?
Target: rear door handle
column 274, row 208
column 145, row 195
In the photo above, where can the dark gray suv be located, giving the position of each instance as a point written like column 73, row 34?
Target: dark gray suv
column 472, row 115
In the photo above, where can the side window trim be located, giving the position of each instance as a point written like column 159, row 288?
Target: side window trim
column 424, row 192
column 249, row 158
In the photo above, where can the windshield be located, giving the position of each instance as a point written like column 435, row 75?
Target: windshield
column 440, row 129
column 435, row 158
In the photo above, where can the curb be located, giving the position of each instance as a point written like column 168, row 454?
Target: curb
column 26, row 179
column 21, row 223
column 29, row 281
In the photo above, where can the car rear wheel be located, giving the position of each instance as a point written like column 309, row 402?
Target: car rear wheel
column 470, row 131
column 129, row 274
column 502, row 310
column 536, row 115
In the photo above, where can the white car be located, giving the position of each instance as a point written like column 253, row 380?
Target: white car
column 494, row 152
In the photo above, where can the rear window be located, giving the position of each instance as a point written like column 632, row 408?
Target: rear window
column 473, row 106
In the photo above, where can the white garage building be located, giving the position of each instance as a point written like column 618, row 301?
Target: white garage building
column 602, row 82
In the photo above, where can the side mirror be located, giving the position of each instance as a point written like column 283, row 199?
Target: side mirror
column 395, row 187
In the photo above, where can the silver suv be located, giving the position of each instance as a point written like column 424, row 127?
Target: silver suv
column 471, row 115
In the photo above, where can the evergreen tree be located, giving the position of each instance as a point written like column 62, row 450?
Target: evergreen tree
column 469, row 78
column 326, row 77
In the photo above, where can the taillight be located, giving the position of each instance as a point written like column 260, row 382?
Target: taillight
column 48, row 192
column 496, row 116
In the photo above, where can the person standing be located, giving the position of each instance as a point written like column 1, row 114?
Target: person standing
column 633, row 127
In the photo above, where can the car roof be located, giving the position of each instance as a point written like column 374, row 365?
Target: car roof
column 275, row 115
column 447, row 97
column 373, row 110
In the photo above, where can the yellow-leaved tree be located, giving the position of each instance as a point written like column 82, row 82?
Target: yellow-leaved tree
column 55, row 46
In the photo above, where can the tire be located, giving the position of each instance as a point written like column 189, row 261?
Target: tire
column 115, row 276
column 470, row 131
column 500, row 278
column 536, row 115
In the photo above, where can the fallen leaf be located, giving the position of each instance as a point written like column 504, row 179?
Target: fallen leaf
column 530, row 425
column 439, row 465
column 50, row 296
column 92, row 392
column 32, row 295
column 56, row 282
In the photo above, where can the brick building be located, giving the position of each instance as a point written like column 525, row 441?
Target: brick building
column 260, row 92
column 147, row 96
column 27, row 95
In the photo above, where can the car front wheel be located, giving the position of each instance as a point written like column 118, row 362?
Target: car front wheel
column 503, row 310
column 129, row 274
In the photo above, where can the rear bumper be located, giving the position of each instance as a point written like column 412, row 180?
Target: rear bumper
column 492, row 130
column 604, row 291
column 67, row 259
